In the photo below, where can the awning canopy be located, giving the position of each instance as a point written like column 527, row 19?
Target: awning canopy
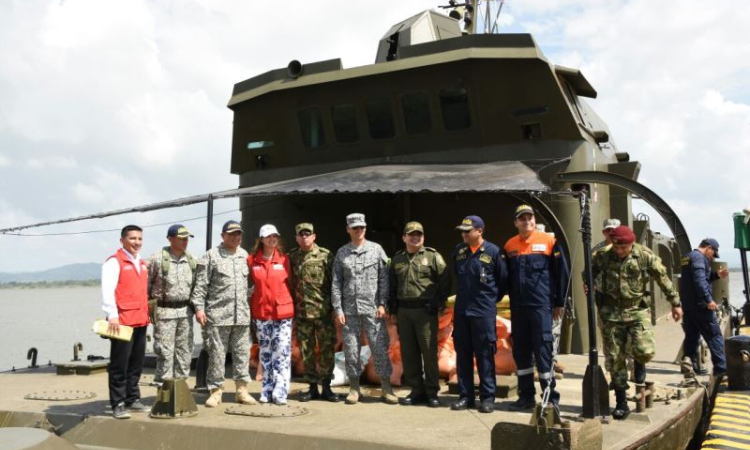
column 504, row 176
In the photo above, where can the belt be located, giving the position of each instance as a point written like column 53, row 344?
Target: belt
column 412, row 304
column 175, row 305
column 620, row 303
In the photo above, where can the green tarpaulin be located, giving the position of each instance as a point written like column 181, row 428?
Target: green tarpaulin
column 741, row 232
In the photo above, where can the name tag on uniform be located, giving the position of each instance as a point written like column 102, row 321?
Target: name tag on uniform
column 539, row 248
column 487, row 259
column 278, row 267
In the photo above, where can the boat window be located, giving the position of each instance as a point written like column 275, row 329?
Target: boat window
column 311, row 127
column 345, row 123
column 416, row 109
column 380, row 118
column 454, row 104
column 255, row 145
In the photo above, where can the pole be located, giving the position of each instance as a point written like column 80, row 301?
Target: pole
column 594, row 390
column 209, row 221
column 201, row 366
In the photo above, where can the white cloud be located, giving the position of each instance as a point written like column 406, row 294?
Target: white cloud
column 112, row 104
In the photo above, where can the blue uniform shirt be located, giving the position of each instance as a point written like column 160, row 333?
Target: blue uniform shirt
column 482, row 279
column 695, row 282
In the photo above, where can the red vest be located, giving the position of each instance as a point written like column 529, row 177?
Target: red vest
column 131, row 293
column 271, row 298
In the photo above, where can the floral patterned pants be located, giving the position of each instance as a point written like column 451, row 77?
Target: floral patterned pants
column 275, row 342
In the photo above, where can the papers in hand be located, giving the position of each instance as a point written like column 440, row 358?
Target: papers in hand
column 101, row 327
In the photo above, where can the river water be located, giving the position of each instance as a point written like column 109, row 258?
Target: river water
column 53, row 320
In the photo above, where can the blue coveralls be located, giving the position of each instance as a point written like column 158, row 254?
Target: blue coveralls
column 698, row 320
column 481, row 278
column 537, row 281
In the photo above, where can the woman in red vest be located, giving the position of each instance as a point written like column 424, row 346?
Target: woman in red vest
column 272, row 310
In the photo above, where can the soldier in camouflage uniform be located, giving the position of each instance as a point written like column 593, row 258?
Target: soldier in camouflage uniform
column 419, row 287
column 220, row 299
column 311, row 281
column 170, row 282
column 621, row 274
column 359, row 294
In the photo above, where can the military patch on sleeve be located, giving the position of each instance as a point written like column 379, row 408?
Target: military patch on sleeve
column 487, row 259
column 399, row 266
column 462, row 251
column 558, row 254
column 685, row 261
column 460, row 256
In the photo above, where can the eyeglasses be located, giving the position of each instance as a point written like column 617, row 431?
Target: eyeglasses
column 304, row 234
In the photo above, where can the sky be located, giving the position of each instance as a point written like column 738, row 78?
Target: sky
column 106, row 104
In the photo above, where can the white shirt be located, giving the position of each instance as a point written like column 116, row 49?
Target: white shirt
column 110, row 277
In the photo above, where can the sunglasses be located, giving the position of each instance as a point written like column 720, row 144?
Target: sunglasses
column 358, row 228
column 304, row 234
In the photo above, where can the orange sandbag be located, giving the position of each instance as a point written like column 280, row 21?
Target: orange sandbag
column 446, row 350
column 504, row 362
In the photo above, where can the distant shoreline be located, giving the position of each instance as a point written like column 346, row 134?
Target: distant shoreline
column 50, row 284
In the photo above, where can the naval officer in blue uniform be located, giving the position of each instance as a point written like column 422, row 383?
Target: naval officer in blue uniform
column 699, row 307
column 482, row 278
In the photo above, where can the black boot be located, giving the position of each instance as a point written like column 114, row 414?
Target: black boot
column 327, row 394
column 639, row 372
column 312, row 394
column 622, row 411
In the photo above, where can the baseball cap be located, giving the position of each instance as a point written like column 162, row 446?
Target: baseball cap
column 231, row 226
column 713, row 243
column 304, row 226
column 622, row 235
column 179, row 231
column 412, row 227
column 471, row 222
column 268, row 230
column 523, row 209
column 355, row 220
column 610, row 223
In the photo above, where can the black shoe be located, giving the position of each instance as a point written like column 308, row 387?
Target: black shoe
column 137, row 406
column 639, row 372
column 120, row 412
column 433, row 401
column 327, row 394
column 462, row 404
column 413, row 399
column 522, row 404
column 312, row 394
column 700, row 370
column 622, row 411
column 487, row 406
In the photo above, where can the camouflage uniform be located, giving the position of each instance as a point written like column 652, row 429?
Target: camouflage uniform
column 173, row 327
column 625, row 311
column 221, row 290
column 311, row 283
column 359, row 287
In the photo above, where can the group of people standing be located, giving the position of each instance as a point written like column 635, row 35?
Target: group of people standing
column 232, row 292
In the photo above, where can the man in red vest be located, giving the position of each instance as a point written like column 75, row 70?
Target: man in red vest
column 125, row 302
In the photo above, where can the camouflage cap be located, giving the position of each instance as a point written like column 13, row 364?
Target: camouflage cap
column 304, row 226
column 412, row 227
column 355, row 220
column 610, row 224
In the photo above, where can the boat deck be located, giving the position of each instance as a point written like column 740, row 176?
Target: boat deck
column 368, row 425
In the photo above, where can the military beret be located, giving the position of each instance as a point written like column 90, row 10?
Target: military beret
column 622, row 235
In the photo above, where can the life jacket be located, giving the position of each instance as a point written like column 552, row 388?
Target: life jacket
column 131, row 293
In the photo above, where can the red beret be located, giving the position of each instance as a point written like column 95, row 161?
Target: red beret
column 622, row 235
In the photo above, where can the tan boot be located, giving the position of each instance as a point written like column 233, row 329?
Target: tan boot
column 242, row 396
column 214, row 399
column 354, row 394
column 387, row 392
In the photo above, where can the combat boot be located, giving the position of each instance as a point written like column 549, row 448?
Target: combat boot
column 311, row 394
column 327, row 394
column 639, row 372
column 354, row 394
column 242, row 396
column 622, row 410
column 214, row 399
column 387, row 392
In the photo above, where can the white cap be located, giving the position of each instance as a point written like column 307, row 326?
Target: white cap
column 267, row 230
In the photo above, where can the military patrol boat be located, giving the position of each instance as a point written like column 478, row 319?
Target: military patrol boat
column 446, row 123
